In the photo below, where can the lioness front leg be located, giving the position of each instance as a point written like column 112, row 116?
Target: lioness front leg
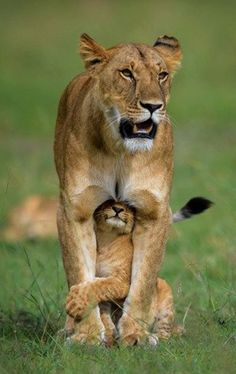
column 79, row 256
column 149, row 239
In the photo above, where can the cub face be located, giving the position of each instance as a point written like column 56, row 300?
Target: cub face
column 133, row 86
column 114, row 216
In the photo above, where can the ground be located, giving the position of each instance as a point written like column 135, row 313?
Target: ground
column 39, row 42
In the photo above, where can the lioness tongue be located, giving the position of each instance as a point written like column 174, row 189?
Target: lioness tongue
column 144, row 128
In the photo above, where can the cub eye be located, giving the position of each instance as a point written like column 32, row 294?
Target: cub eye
column 126, row 73
column 163, row 75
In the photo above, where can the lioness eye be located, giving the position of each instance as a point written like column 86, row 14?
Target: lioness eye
column 126, row 73
column 163, row 75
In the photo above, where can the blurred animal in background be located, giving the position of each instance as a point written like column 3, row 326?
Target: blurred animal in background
column 35, row 217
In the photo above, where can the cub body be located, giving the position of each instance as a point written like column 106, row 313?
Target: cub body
column 114, row 224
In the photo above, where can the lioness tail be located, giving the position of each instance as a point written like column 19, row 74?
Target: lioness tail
column 194, row 206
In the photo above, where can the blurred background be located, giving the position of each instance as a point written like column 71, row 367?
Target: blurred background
column 39, row 42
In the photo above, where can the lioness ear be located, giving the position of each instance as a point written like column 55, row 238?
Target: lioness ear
column 170, row 51
column 91, row 52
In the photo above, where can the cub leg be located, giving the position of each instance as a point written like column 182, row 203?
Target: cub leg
column 163, row 310
column 85, row 296
column 110, row 328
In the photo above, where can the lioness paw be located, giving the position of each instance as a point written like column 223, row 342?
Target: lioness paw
column 89, row 330
column 137, row 338
column 134, row 333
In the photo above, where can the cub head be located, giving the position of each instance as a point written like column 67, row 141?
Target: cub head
column 132, row 86
column 114, row 216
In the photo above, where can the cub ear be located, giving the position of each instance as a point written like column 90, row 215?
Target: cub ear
column 91, row 52
column 169, row 49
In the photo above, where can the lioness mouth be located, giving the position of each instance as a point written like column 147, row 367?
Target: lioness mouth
column 144, row 130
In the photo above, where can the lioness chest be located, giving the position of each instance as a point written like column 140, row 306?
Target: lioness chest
column 123, row 179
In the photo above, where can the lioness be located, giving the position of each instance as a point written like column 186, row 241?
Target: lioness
column 114, row 225
column 114, row 140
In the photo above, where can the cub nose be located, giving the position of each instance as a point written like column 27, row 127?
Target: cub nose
column 117, row 210
column 151, row 107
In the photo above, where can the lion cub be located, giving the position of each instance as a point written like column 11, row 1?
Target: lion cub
column 114, row 224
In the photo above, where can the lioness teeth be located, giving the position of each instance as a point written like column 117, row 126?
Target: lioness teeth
column 142, row 128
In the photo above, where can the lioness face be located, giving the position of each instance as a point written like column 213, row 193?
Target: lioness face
column 134, row 82
column 116, row 216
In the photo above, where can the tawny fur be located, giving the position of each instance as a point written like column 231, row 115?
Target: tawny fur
column 114, row 225
column 94, row 163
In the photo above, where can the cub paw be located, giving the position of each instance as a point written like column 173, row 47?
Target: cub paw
column 78, row 302
column 179, row 330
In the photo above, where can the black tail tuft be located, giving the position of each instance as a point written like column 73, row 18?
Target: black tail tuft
column 196, row 205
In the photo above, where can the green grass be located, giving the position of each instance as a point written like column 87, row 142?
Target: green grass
column 39, row 43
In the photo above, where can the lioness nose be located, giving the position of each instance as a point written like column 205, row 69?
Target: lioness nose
column 117, row 210
column 151, row 107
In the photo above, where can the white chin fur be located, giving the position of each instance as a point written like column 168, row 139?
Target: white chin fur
column 115, row 222
column 138, row 145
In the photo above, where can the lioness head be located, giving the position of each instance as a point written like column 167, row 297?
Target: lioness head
column 112, row 215
column 133, row 84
